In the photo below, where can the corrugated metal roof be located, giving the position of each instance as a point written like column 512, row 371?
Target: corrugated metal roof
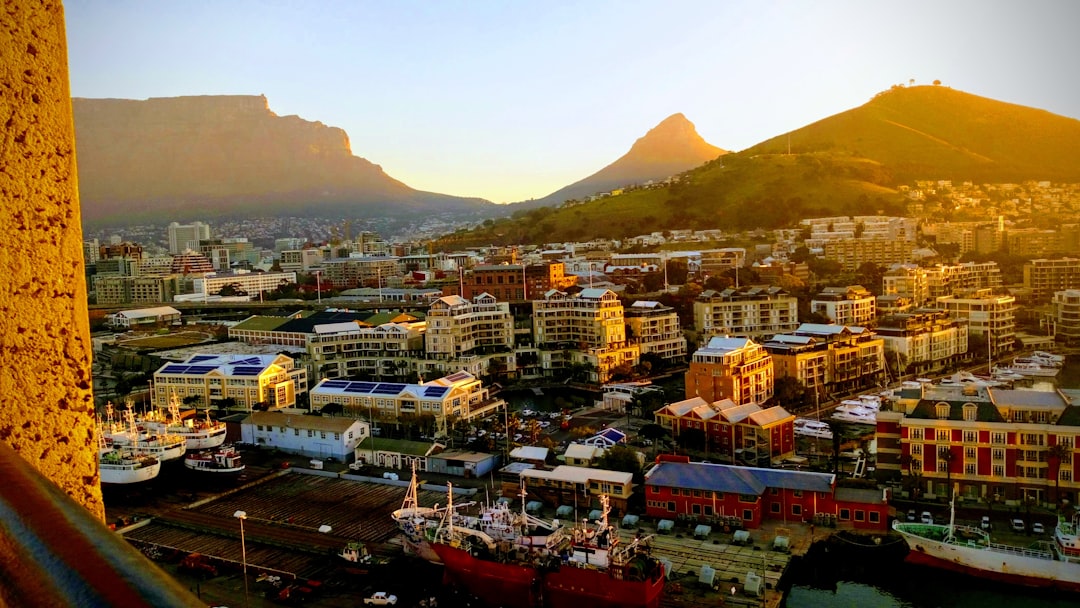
column 300, row 421
column 733, row 479
column 770, row 416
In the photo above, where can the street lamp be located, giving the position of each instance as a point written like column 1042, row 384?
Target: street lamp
column 242, row 515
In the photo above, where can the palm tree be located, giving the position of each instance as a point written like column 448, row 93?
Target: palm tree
column 948, row 456
column 1057, row 454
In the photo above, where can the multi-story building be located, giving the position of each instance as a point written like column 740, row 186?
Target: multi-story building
column 115, row 290
column 894, row 304
column 656, row 330
column 829, row 358
column 982, row 444
column 743, row 433
column 187, row 236
column 925, row 284
column 990, row 316
column 131, row 251
column 716, row 261
column 459, row 397
column 853, row 305
column 852, row 253
column 543, row 277
column 457, row 327
column 311, row 436
column 1046, row 277
column 248, row 381
column 908, row 281
column 349, row 349
column 746, row 497
column 300, row 260
column 190, row 262
column 923, row 341
column 504, row 281
column 253, row 283
column 592, row 318
column 745, row 312
column 730, row 368
column 367, row 271
column 1066, row 316
column 1034, row 242
column 568, row 485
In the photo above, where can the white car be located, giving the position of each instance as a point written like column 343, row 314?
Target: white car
column 544, row 424
column 380, row 598
column 1018, row 525
column 926, row 517
column 528, row 413
column 1037, row 528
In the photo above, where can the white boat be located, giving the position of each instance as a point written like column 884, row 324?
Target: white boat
column 855, row 414
column 130, row 437
column 222, row 460
column 1054, row 564
column 124, row 467
column 199, row 433
column 1028, row 368
column 1051, row 357
column 813, row 428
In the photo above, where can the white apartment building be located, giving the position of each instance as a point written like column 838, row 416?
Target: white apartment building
column 340, row 350
column 187, row 236
column 300, row 260
column 925, row 340
column 990, row 316
column 656, row 330
column 592, row 318
column 311, row 436
column 853, row 305
column 457, row 327
column 746, row 312
column 457, row 397
column 359, row 271
column 1067, row 316
column 248, row 380
column 253, row 283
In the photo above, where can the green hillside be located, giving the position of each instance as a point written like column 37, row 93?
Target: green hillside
column 850, row 163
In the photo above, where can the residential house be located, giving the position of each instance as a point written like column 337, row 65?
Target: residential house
column 312, row 436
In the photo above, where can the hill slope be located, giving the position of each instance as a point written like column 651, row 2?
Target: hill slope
column 849, row 163
column 669, row 148
column 186, row 157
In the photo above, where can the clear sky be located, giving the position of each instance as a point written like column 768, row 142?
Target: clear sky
column 510, row 100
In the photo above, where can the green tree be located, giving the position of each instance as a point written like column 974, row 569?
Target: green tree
column 332, row 409
column 790, row 393
column 1057, row 454
column 620, row 458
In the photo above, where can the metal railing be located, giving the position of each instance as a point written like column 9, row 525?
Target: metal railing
column 55, row 553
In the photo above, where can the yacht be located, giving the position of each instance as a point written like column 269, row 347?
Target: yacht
column 813, row 428
column 855, row 414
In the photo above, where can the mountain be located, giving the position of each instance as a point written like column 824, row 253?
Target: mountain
column 228, row 155
column 669, row 148
column 850, row 163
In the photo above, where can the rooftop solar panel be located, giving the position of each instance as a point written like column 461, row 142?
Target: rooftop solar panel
column 435, row 391
column 335, row 384
column 366, row 385
column 387, row 389
column 201, row 369
column 246, row 371
column 352, row 388
column 248, row 361
column 198, row 358
column 458, row 376
column 174, row 369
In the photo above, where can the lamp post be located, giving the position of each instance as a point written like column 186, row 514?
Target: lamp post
column 318, row 285
column 241, row 515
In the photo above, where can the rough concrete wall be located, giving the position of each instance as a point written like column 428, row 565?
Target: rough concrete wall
column 46, row 405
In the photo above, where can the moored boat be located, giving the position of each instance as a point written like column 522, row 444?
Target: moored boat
column 221, row 461
column 199, row 433
column 969, row 550
column 130, row 436
column 813, row 428
column 124, row 467
column 855, row 413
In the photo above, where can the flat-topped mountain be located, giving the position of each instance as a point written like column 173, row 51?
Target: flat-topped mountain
column 220, row 155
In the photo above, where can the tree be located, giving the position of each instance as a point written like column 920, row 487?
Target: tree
column 837, row 438
column 620, row 458
column 790, row 393
column 332, row 409
column 691, row 439
column 948, row 456
column 1057, row 454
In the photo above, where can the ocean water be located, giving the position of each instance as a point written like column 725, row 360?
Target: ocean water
column 855, row 581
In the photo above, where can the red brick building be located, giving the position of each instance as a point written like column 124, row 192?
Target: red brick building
column 744, row 433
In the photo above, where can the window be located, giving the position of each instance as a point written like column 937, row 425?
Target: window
column 796, row 509
column 916, row 449
column 971, row 437
column 654, row 489
column 875, row 517
column 942, row 411
column 259, row 426
column 797, row 493
column 969, row 453
column 999, row 470
column 747, row 515
column 970, row 411
column 998, row 438
column 697, row 493
column 1065, row 475
column 674, row 491
column 696, row 509
column 860, row 515
column 969, row 468
column 337, row 436
column 747, row 498
column 1065, row 441
column 917, row 434
column 322, row 434
column 708, row 510
column 998, row 454
column 942, row 466
column 671, row 507
column 943, row 435
column 296, row 432
column 845, row 514
column 916, row 464
column 774, row 507
column 774, row 491
column 310, row 433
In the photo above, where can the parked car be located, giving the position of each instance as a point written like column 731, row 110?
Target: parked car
column 1018, row 525
column 1037, row 528
column 911, row 515
column 985, row 523
column 380, row 598
column 926, row 517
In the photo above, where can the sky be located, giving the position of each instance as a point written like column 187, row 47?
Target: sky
column 511, row 100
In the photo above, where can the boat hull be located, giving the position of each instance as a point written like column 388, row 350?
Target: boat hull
column 518, row 586
column 125, row 474
column 1014, row 567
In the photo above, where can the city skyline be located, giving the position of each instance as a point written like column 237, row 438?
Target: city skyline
column 514, row 102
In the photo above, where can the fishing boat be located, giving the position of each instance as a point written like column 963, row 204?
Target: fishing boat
column 130, row 436
column 199, row 433
column 413, row 520
column 968, row 550
column 125, row 467
column 514, row 560
column 223, row 460
column 813, row 428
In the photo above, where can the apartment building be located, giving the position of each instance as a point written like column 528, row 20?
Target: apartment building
column 730, row 368
column 506, row 282
column 248, row 381
column 121, row 290
column 745, row 434
column 990, row 316
column 253, row 283
column 1045, row 277
column 923, row 341
column 359, row 271
column 745, row 312
column 592, row 318
column 854, row 252
column 923, row 285
column 457, row 327
column 300, row 260
column 853, row 305
column 656, row 330
column 187, row 236
column 1066, row 315
column 348, row 349
column 832, row 359
column 982, row 444
column 459, row 397
column 715, row 261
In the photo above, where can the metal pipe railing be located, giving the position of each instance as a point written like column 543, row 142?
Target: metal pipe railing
column 53, row 552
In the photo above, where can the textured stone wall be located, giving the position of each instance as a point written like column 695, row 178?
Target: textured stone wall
column 46, row 406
